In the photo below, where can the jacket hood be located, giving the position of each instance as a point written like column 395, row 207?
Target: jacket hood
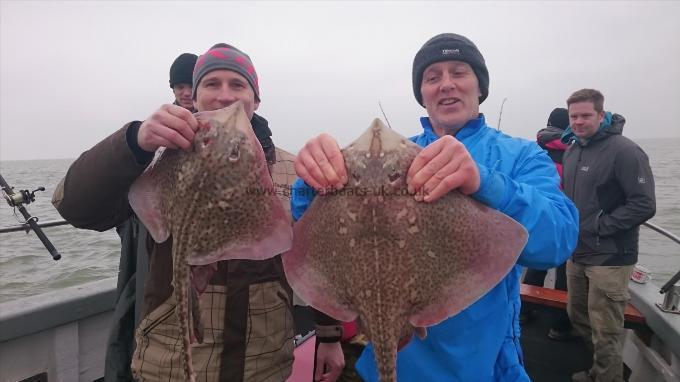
column 548, row 134
column 612, row 124
column 616, row 126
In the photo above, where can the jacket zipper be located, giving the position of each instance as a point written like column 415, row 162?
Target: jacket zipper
column 578, row 166
column 573, row 192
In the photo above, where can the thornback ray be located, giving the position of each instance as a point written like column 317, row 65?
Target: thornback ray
column 372, row 251
column 218, row 202
column 226, row 181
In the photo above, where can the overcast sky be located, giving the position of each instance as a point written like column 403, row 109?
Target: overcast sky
column 71, row 73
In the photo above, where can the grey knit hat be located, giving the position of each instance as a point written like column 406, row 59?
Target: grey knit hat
column 449, row 47
column 225, row 56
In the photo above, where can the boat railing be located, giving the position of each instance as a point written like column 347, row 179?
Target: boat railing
column 674, row 279
column 26, row 227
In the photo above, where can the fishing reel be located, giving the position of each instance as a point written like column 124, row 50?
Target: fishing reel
column 17, row 198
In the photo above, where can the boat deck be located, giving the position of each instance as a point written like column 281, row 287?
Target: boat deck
column 549, row 360
column 546, row 360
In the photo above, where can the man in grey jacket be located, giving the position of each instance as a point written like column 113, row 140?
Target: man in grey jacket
column 609, row 179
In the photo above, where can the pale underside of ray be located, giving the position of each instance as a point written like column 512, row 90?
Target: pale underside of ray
column 372, row 251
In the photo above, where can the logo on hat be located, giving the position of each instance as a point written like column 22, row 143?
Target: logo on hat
column 450, row 51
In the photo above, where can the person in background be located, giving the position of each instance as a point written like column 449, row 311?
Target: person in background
column 134, row 253
column 461, row 152
column 549, row 139
column 609, row 179
column 181, row 82
column 247, row 306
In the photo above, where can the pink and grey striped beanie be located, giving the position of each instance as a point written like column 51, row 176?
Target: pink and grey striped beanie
column 225, row 56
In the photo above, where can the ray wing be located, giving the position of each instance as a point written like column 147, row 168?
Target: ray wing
column 471, row 249
column 317, row 265
column 149, row 191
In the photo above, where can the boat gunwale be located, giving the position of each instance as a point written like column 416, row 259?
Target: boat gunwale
column 33, row 314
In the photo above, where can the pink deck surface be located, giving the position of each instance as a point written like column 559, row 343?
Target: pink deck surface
column 303, row 366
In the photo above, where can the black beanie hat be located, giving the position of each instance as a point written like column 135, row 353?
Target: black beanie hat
column 559, row 118
column 449, row 47
column 182, row 69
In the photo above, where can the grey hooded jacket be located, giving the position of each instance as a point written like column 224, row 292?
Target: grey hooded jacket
column 610, row 181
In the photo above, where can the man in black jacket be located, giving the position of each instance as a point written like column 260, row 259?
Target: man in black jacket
column 609, row 179
column 181, row 82
column 134, row 254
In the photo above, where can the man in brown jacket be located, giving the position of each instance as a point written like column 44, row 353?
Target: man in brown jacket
column 248, row 323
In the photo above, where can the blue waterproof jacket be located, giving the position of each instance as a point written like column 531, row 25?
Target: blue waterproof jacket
column 481, row 343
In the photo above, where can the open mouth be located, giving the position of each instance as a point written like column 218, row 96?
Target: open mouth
column 449, row 101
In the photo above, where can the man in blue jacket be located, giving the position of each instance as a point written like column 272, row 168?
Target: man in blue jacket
column 512, row 175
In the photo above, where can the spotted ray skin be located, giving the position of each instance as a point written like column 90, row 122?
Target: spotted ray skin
column 372, row 251
column 218, row 203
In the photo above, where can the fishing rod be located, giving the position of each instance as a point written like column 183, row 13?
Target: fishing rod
column 384, row 115
column 17, row 200
column 500, row 114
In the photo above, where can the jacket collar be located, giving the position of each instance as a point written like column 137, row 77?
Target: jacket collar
column 469, row 129
column 611, row 125
column 264, row 135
